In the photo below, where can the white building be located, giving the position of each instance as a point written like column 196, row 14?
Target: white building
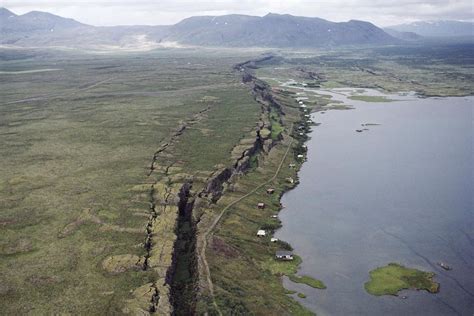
column 284, row 255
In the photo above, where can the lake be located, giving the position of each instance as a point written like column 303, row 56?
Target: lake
column 401, row 191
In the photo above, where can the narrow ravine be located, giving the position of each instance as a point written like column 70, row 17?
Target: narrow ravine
column 184, row 276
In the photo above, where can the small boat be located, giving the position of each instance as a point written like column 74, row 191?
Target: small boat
column 444, row 266
column 358, row 130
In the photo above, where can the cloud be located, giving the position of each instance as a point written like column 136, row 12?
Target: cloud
column 380, row 12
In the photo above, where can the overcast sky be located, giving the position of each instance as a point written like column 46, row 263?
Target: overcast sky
column 161, row 12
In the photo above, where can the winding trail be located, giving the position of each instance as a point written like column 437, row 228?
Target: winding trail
column 216, row 221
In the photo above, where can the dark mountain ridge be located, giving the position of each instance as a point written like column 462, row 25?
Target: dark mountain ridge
column 275, row 30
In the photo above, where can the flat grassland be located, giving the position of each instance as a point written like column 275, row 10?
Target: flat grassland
column 76, row 148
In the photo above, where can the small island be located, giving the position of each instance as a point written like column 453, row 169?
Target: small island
column 391, row 279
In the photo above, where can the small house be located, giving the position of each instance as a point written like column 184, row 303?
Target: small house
column 284, row 255
column 274, row 216
column 290, row 180
column 261, row 205
column 291, row 165
column 261, row 233
column 300, row 156
column 274, row 239
column 270, row 190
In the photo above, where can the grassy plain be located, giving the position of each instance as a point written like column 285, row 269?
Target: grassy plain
column 77, row 144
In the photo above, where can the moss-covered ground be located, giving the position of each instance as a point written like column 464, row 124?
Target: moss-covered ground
column 76, row 147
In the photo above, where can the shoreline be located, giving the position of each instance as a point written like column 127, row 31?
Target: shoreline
column 441, row 276
column 271, row 98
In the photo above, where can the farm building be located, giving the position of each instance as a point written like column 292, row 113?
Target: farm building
column 284, row 255
column 261, row 233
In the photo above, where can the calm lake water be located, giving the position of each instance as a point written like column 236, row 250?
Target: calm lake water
column 399, row 192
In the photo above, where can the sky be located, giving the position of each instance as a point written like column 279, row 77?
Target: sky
column 164, row 12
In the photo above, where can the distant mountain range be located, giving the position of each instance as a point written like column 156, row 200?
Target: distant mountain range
column 437, row 28
column 406, row 36
column 40, row 29
column 273, row 30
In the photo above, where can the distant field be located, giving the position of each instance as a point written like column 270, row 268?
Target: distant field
column 436, row 70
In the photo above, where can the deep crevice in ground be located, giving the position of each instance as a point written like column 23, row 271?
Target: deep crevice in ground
column 183, row 275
